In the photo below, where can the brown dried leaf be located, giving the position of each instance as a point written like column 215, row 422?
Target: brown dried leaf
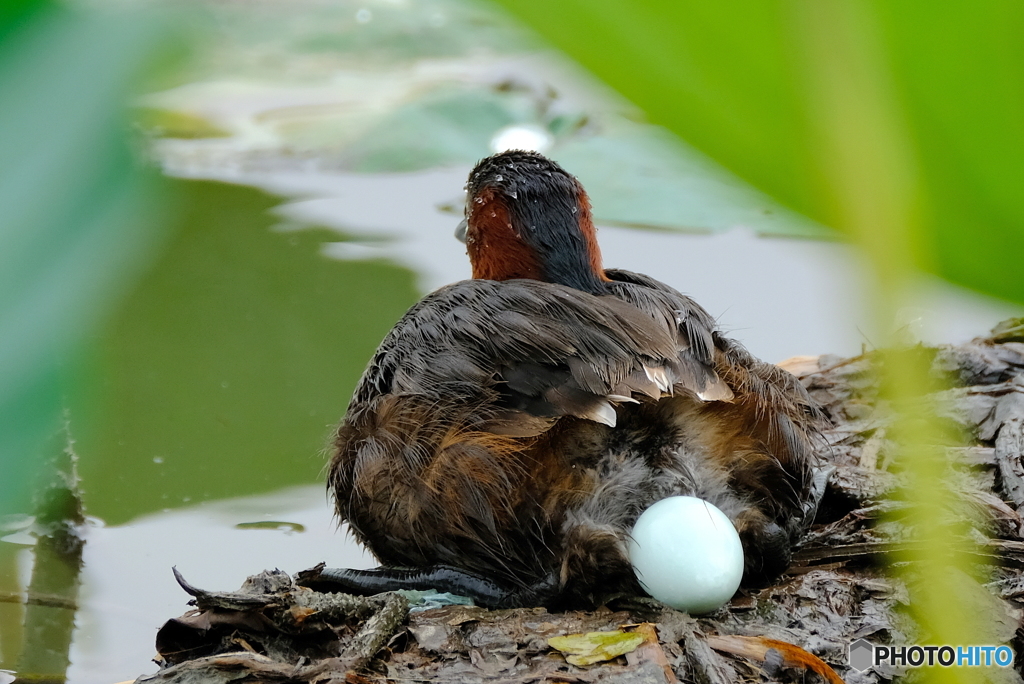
column 759, row 648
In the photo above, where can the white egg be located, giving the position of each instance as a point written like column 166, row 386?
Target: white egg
column 686, row 553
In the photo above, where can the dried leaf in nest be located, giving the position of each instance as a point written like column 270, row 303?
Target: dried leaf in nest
column 650, row 651
column 761, row 648
column 1010, row 330
column 595, row 647
column 800, row 365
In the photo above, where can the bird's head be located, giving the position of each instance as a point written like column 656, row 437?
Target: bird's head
column 526, row 217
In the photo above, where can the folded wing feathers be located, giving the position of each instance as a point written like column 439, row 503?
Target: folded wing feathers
column 602, row 412
column 678, row 350
column 659, row 377
column 638, row 382
column 716, row 390
column 574, row 355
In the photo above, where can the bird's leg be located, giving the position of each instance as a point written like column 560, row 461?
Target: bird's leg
column 444, row 578
column 766, row 547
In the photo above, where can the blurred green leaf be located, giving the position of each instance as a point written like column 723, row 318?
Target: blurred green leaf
column 731, row 79
column 641, row 175
column 448, row 126
column 170, row 124
column 15, row 13
column 73, row 204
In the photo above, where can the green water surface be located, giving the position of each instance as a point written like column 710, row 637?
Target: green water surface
column 219, row 375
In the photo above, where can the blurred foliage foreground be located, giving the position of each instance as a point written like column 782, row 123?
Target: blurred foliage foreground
column 129, row 305
column 901, row 124
column 186, row 332
column 73, row 206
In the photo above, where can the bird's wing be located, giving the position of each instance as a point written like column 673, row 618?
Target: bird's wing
column 769, row 411
column 694, row 332
column 739, row 371
column 527, row 347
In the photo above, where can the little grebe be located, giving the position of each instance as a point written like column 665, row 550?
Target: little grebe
column 511, row 428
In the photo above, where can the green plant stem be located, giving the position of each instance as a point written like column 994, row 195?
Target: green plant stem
column 868, row 166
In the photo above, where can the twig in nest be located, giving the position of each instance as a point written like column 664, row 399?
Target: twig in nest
column 650, row 650
column 994, row 552
column 393, row 611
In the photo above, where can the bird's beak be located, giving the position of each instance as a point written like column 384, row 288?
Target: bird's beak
column 460, row 231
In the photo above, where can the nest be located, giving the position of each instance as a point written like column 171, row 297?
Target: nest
column 848, row 581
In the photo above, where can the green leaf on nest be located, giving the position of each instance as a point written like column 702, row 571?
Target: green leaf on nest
column 595, row 647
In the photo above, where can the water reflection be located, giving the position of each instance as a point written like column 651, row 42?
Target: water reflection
column 37, row 625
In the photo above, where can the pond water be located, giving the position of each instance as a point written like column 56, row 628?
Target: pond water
column 322, row 209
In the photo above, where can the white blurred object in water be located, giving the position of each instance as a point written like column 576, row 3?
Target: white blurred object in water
column 521, row 137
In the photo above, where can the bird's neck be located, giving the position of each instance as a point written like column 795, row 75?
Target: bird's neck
column 526, row 239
